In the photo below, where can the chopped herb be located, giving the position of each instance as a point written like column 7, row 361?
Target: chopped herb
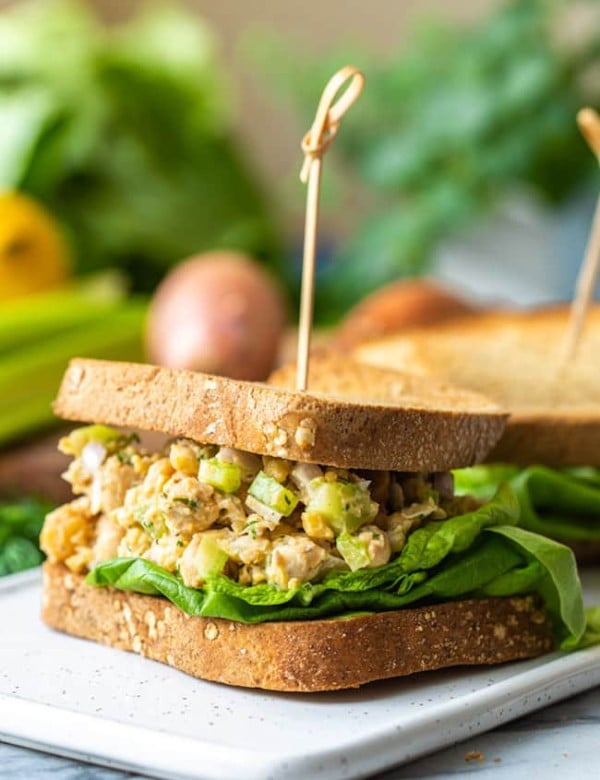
column 139, row 513
column 251, row 529
column 191, row 502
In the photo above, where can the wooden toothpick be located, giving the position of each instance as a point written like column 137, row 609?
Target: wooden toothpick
column 589, row 124
column 314, row 145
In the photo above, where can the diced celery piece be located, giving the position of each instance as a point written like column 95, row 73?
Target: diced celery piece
column 353, row 551
column 74, row 443
column 343, row 505
column 210, row 558
column 270, row 492
column 220, row 474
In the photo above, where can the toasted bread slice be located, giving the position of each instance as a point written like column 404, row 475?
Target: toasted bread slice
column 303, row 656
column 395, row 423
column 514, row 358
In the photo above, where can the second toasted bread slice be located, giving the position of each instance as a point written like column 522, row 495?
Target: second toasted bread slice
column 514, row 358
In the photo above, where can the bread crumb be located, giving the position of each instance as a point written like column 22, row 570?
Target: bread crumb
column 269, row 429
column 211, row 631
column 500, row 631
column 497, row 760
column 474, row 755
column 76, row 374
column 150, row 621
column 280, row 439
column 305, row 434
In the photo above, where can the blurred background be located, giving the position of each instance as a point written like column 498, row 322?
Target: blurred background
column 134, row 135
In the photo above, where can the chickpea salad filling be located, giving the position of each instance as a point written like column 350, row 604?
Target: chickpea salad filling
column 200, row 510
column 228, row 534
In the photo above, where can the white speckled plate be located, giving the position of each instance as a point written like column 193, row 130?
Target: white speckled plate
column 83, row 700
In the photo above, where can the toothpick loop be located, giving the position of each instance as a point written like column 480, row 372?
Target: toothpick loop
column 314, row 145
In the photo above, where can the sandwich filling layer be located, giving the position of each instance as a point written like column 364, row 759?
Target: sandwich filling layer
column 197, row 510
column 228, row 534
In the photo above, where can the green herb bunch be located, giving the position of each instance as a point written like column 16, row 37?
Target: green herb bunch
column 124, row 134
column 20, row 526
column 449, row 125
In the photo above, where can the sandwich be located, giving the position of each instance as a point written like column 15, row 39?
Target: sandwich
column 294, row 541
column 550, row 450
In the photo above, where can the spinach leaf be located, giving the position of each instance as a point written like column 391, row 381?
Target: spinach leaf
column 20, row 526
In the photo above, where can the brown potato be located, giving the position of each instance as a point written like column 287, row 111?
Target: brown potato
column 397, row 306
column 218, row 312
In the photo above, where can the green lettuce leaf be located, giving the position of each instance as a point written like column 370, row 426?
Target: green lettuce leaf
column 591, row 635
column 471, row 556
column 557, row 581
column 482, row 481
column 564, row 504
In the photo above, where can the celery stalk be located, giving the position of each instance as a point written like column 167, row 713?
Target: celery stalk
column 25, row 372
column 29, row 377
column 38, row 316
column 18, row 421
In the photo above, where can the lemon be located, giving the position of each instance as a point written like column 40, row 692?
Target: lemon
column 34, row 254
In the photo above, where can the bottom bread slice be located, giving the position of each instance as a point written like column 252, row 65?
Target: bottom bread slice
column 300, row 656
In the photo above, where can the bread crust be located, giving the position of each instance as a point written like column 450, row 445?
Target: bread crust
column 302, row 656
column 513, row 356
column 440, row 429
column 555, row 440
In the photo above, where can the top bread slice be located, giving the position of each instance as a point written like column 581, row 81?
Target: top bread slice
column 390, row 421
column 514, row 357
